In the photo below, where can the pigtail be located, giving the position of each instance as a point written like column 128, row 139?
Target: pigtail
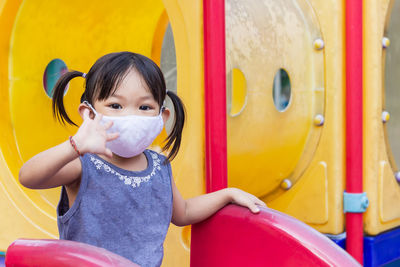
column 58, row 96
column 175, row 136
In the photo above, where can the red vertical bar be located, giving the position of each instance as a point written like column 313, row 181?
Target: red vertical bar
column 215, row 94
column 354, row 123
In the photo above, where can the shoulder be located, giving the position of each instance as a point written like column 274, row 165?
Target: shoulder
column 89, row 160
column 158, row 156
column 160, row 162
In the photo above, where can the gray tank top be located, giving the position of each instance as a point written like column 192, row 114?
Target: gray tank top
column 123, row 211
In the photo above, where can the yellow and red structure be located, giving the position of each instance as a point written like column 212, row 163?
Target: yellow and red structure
column 330, row 137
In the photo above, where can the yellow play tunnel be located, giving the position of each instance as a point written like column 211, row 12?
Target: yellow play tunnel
column 33, row 33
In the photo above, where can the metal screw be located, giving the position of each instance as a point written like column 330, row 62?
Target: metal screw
column 397, row 176
column 385, row 116
column 319, row 120
column 364, row 202
column 319, row 44
column 286, row 184
column 385, row 42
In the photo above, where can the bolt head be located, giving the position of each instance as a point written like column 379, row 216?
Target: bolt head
column 318, row 44
column 286, row 184
column 385, row 42
column 397, row 176
column 364, row 202
column 385, row 116
column 319, row 120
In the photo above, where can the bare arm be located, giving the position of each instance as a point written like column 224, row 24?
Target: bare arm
column 56, row 166
column 60, row 165
column 199, row 208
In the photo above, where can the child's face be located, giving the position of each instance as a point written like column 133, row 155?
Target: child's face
column 132, row 97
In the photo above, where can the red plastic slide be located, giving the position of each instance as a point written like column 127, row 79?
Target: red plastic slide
column 236, row 237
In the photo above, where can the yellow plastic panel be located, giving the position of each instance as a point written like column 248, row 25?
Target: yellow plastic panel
column 35, row 32
column 391, row 69
column 267, row 147
column 315, row 198
column 262, row 134
column 186, row 18
column 330, row 150
column 388, row 198
column 18, row 211
column 2, row 3
column 390, row 193
column 380, row 147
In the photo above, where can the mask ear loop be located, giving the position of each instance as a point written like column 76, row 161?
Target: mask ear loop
column 90, row 106
column 163, row 107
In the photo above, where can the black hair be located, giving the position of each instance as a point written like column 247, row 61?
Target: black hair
column 104, row 78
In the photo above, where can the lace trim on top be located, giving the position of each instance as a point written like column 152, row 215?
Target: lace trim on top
column 133, row 181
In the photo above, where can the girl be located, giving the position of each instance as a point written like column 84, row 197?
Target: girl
column 115, row 193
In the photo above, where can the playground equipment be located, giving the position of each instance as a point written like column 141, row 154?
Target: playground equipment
column 49, row 253
column 269, row 117
column 232, row 237
column 79, row 33
column 236, row 237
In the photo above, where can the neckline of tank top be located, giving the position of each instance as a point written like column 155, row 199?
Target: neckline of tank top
column 149, row 168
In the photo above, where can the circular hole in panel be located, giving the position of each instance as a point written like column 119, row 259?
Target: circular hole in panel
column 54, row 70
column 237, row 92
column 168, row 67
column 281, row 91
column 392, row 80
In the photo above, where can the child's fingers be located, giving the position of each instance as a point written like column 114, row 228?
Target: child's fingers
column 108, row 153
column 253, row 208
column 259, row 202
column 112, row 136
column 108, row 125
column 256, row 200
column 98, row 117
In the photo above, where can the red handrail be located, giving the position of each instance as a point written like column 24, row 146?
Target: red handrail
column 354, row 123
column 215, row 94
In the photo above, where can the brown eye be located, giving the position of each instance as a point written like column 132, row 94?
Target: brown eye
column 115, row 106
column 144, row 107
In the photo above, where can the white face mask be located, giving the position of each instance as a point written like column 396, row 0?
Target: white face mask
column 136, row 133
